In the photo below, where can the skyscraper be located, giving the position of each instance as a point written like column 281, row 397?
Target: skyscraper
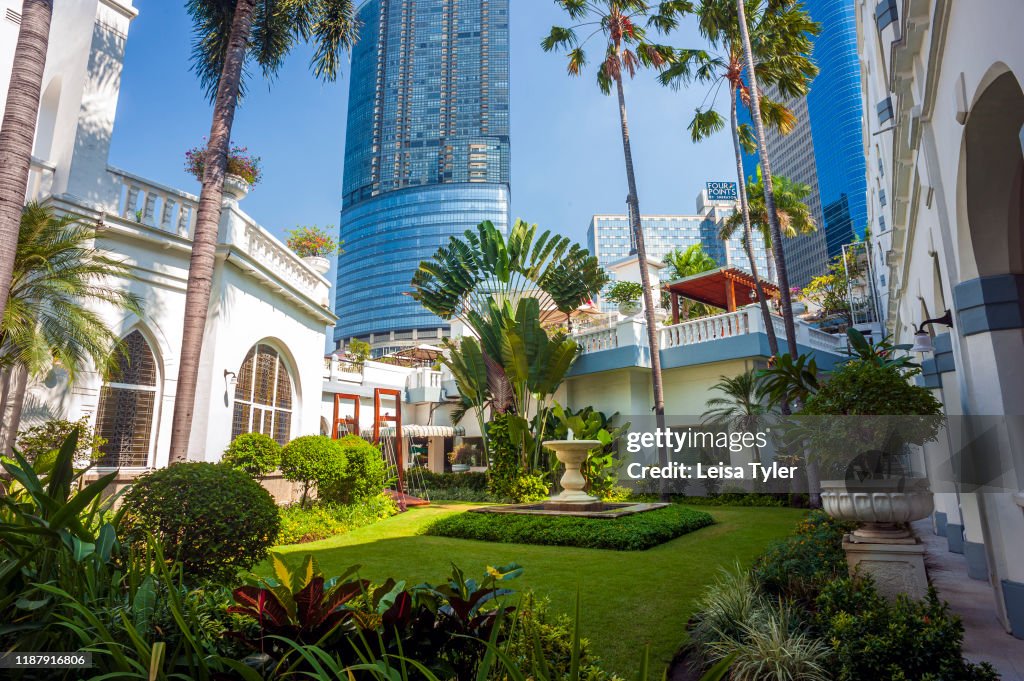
column 426, row 154
column 825, row 149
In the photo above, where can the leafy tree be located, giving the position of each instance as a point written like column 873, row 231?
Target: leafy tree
column 626, row 48
column 830, row 291
column 18, row 130
column 781, row 58
column 48, row 320
column 227, row 35
column 686, row 263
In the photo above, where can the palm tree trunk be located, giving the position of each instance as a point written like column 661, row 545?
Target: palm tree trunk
column 204, row 241
column 16, row 385
column 769, row 193
column 770, row 252
column 18, row 129
column 645, row 277
column 748, row 235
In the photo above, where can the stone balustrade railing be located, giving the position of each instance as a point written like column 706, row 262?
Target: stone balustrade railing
column 261, row 246
column 704, row 329
column 593, row 341
column 40, row 179
column 424, row 378
column 156, row 205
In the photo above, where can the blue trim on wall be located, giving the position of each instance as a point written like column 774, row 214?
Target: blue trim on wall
column 977, row 563
column 940, row 523
column 1013, row 597
column 990, row 303
column 955, row 537
column 613, row 358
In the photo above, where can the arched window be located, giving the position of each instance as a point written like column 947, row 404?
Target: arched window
column 263, row 395
column 125, row 416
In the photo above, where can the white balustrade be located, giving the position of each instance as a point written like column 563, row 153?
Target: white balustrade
column 154, row 204
column 262, row 247
column 40, row 179
column 594, row 341
column 705, row 329
column 424, row 378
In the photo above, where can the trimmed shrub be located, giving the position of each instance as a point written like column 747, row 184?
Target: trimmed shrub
column 737, row 499
column 213, row 519
column 800, row 565
column 628, row 533
column 363, row 476
column 872, row 638
column 316, row 461
column 469, row 480
column 255, row 454
column 325, row 519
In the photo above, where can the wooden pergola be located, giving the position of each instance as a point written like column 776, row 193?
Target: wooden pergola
column 720, row 288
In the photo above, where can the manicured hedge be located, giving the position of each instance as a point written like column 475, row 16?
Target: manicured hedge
column 468, row 480
column 628, row 533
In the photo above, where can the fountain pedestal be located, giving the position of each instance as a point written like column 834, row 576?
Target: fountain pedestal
column 572, row 453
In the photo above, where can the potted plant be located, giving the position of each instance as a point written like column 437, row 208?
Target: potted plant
column 243, row 169
column 626, row 295
column 461, row 458
column 872, row 414
column 315, row 246
column 796, row 294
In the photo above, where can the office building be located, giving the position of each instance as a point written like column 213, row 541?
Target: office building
column 426, row 155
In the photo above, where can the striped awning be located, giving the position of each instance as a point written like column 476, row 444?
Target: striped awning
column 418, row 431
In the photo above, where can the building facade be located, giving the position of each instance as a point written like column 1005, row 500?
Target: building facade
column 944, row 142
column 608, row 236
column 824, row 149
column 426, row 156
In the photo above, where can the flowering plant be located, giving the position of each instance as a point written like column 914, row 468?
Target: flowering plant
column 308, row 242
column 240, row 163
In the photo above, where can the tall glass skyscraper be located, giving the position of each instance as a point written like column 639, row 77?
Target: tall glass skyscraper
column 825, row 150
column 426, row 154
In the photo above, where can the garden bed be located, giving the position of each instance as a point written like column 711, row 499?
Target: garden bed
column 629, row 533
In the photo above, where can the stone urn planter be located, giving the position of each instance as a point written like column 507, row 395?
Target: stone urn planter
column 319, row 264
column 630, row 309
column 235, row 187
column 460, row 468
column 882, row 507
column 573, row 453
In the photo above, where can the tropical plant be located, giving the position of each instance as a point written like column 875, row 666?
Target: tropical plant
column 18, row 128
column 882, row 353
column 830, row 292
column 624, row 292
column 239, row 163
column 315, row 461
column 43, row 441
column 781, row 50
column 226, row 37
column 790, row 381
column 57, row 277
column 212, row 519
column 775, row 230
column 358, row 350
column 794, row 215
column 686, row 263
column 742, row 406
column 254, row 453
column 601, row 468
column 617, row 24
column 312, row 241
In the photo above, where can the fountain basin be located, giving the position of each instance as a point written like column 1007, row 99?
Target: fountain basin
column 572, row 453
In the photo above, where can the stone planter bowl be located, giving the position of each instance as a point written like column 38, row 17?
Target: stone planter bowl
column 319, row 264
column 629, row 309
column 882, row 507
column 235, row 187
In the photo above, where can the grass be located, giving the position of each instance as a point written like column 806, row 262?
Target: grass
column 627, row 599
column 630, row 533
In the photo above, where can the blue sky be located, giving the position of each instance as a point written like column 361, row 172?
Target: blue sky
column 566, row 150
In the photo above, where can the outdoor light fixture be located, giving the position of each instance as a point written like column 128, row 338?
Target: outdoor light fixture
column 230, row 378
column 922, row 339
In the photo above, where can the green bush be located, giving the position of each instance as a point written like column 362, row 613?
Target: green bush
column 907, row 640
column 212, row 518
column 255, row 454
column 527, row 488
column 316, row 461
column 470, row 494
column 628, row 533
column 325, row 519
column 737, row 499
column 800, row 565
column 468, row 480
column 41, row 442
column 363, row 475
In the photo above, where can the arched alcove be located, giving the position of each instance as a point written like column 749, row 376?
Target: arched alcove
column 46, row 125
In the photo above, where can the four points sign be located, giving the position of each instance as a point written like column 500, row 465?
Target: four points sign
column 722, row 191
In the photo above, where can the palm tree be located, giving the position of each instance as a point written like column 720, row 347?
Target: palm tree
column 782, row 40
column 762, row 152
column 228, row 34
column 686, row 263
column 741, row 407
column 17, row 132
column 47, row 321
column 626, row 50
column 793, row 214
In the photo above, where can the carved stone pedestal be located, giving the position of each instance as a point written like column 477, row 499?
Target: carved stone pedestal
column 896, row 565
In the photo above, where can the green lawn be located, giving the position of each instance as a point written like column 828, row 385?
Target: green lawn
column 628, row 598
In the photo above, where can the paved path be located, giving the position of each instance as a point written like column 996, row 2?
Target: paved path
column 972, row 599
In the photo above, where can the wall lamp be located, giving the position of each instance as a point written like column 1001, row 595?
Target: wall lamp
column 230, row 379
column 922, row 339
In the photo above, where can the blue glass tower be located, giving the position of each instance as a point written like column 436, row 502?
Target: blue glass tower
column 426, row 154
column 826, row 149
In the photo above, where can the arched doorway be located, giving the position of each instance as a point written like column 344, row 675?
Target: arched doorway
column 126, row 416
column 263, row 395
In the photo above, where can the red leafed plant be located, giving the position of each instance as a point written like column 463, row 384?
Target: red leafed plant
column 312, row 241
column 240, row 163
